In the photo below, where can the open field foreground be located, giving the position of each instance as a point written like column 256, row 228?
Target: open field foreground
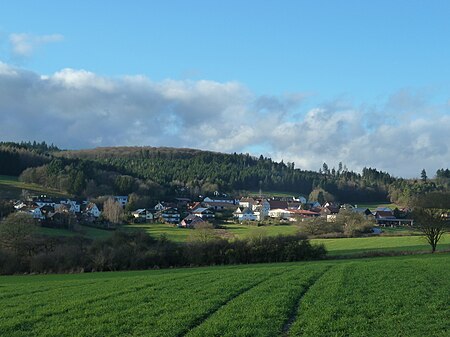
column 401, row 296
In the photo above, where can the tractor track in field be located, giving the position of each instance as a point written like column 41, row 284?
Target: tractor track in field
column 296, row 307
column 97, row 299
column 211, row 312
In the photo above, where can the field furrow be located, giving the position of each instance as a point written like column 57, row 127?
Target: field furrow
column 295, row 309
column 158, row 297
column 33, row 310
column 398, row 296
column 264, row 309
column 379, row 297
column 219, row 306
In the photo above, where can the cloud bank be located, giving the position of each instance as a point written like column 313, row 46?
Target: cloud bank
column 79, row 109
column 23, row 45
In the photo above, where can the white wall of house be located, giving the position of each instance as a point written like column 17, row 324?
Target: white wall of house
column 280, row 213
column 247, row 217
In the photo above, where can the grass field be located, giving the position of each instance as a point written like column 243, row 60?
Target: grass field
column 401, row 296
column 343, row 246
column 338, row 246
column 11, row 188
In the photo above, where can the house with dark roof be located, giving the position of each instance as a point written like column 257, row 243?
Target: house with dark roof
column 218, row 205
column 191, row 221
column 363, row 211
column 278, row 204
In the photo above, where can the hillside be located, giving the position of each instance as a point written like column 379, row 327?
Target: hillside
column 156, row 173
column 198, row 171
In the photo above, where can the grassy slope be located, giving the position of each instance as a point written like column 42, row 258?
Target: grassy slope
column 366, row 297
column 334, row 246
column 380, row 243
column 11, row 188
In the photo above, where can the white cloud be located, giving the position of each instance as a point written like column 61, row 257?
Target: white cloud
column 24, row 45
column 77, row 108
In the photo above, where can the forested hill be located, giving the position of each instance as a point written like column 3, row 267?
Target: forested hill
column 205, row 171
column 160, row 172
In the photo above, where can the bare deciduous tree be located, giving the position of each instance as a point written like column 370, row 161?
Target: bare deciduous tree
column 112, row 211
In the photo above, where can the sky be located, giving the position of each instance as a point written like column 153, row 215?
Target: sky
column 365, row 83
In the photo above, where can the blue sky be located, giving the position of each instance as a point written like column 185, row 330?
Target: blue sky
column 368, row 66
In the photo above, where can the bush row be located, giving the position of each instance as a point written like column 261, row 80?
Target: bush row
column 136, row 250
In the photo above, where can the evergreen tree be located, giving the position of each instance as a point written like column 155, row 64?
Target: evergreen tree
column 423, row 175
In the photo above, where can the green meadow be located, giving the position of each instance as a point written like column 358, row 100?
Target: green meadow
column 12, row 188
column 338, row 246
column 395, row 296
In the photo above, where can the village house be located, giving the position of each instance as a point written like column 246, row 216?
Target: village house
column 263, row 207
column 170, row 215
column 244, row 214
column 280, row 213
column 247, row 202
column 191, row 221
column 220, row 199
column 143, row 215
column 91, row 210
column 386, row 217
column 34, row 211
column 74, row 206
column 219, row 205
column 204, row 213
column 363, row 211
column 278, row 204
column 303, row 213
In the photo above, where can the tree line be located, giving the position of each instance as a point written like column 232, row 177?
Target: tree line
column 157, row 173
column 22, row 250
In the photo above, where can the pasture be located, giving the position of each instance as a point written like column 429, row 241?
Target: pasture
column 339, row 246
column 12, row 188
column 400, row 296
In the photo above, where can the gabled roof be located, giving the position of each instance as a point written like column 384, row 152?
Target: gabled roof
column 361, row 210
column 384, row 215
column 383, row 209
column 332, row 209
column 202, row 210
column 192, row 220
column 139, row 211
column 274, row 204
column 304, row 212
column 219, row 204
column 247, row 210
